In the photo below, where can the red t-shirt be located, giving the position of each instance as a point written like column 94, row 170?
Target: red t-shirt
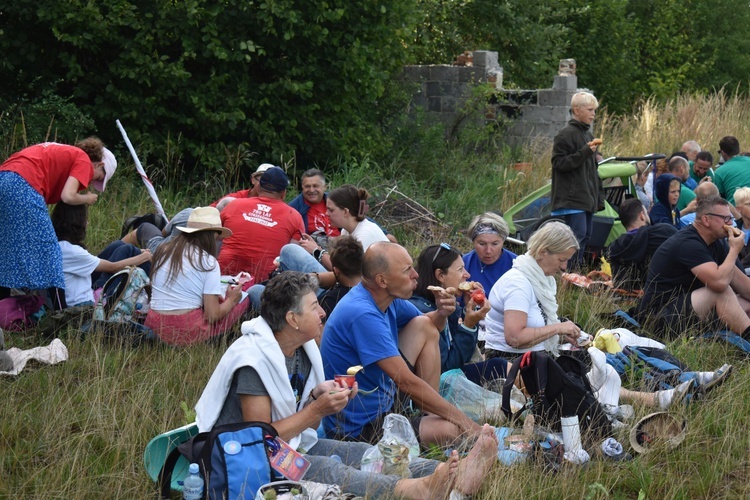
column 47, row 166
column 318, row 220
column 260, row 227
column 243, row 193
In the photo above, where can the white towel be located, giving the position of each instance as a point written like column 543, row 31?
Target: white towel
column 52, row 354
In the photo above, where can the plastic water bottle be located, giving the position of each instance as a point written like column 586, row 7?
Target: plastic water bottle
column 192, row 487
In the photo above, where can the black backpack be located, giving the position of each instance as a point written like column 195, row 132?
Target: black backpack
column 558, row 388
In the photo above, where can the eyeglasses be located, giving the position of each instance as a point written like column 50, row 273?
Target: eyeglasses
column 437, row 252
column 727, row 218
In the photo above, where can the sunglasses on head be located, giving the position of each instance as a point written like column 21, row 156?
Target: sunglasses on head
column 445, row 246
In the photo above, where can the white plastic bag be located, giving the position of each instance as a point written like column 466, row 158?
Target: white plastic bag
column 394, row 452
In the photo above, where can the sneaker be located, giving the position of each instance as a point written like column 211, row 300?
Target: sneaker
column 669, row 397
column 719, row 377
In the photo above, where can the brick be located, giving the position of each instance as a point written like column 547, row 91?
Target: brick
column 415, row 73
column 569, row 82
column 443, row 73
column 433, row 89
column 469, row 74
column 485, row 59
column 550, row 97
column 536, row 113
column 434, row 104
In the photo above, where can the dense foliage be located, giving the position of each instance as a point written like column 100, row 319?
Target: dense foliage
column 625, row 49
column 283, row 79
column 282, row 76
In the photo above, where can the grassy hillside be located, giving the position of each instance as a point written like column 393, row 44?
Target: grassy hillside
column 78, row 429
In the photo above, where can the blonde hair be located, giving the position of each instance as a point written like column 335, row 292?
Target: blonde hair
column 741, row 195
column 492, row 220
column 554, row 237
column 583, row 99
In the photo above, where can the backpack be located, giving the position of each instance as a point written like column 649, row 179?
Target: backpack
column 233, row 460
column 17, row 313
column 125, row 296
column 558, row 388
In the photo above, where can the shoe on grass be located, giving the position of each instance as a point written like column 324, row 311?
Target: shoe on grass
column 718, row 378
column 669, row 397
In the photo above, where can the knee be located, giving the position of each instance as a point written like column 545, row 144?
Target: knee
column 426, row 327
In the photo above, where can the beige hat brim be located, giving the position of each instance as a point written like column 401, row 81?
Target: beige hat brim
column 225, row 232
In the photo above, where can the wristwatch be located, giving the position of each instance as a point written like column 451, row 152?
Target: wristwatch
column 318, row 253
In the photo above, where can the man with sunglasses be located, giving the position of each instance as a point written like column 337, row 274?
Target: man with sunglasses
column 695, row 278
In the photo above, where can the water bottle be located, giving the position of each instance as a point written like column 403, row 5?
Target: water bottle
column 192, row 487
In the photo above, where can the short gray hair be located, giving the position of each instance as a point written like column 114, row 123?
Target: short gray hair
column 284, row 293
column 554, row 237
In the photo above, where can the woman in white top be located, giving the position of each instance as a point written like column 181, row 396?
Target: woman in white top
column 186, row 299
column 347, row 207
column 523, row 316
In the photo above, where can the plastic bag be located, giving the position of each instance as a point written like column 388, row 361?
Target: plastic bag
column 395, row 450
column 475, row 401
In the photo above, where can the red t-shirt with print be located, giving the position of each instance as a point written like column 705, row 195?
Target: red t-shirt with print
column 260, row 227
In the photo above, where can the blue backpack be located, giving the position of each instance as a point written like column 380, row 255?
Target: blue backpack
column 233, row 460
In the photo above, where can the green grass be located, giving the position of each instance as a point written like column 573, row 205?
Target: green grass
column 79, row 429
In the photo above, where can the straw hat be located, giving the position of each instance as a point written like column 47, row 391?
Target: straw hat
column 658, row 429
column 205, row 219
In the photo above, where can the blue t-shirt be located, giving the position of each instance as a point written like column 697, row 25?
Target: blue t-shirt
column 358, row 333
column 488, row 275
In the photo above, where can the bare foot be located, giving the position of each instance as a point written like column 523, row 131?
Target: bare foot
column 437, row 485
column 473, row 469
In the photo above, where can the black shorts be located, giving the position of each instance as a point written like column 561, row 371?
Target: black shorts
column 676, row 316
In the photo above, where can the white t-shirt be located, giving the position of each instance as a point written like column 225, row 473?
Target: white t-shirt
column 367, row 233
column 512, row 292
column 186, row 290
column 78, row 264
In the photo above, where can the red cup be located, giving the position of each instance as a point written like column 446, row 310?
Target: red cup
column 345, row 380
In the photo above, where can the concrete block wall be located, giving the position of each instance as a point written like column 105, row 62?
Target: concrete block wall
column 533, row 114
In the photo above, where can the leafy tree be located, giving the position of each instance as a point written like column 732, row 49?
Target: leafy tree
column 283, row 76
column 528, row 36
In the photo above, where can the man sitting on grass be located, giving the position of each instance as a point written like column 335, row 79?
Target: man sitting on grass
column 375, row 325
column 631, row 253
column 695, row 279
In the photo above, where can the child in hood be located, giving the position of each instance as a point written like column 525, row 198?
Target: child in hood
column 667, row 191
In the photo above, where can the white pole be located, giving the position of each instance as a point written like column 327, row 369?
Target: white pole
column 144, row 177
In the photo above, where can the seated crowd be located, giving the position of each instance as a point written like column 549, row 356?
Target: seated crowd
column 332, row 289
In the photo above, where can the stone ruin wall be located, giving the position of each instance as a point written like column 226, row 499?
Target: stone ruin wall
column 534, row 114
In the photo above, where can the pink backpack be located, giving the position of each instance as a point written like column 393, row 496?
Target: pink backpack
column 15, row 312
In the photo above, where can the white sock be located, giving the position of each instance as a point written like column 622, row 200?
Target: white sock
column 667, row 397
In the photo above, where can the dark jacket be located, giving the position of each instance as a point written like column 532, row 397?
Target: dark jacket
column 298, row 203
column 662, row 211
column 457, row 342
column 630, row 254
column 575, row 178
